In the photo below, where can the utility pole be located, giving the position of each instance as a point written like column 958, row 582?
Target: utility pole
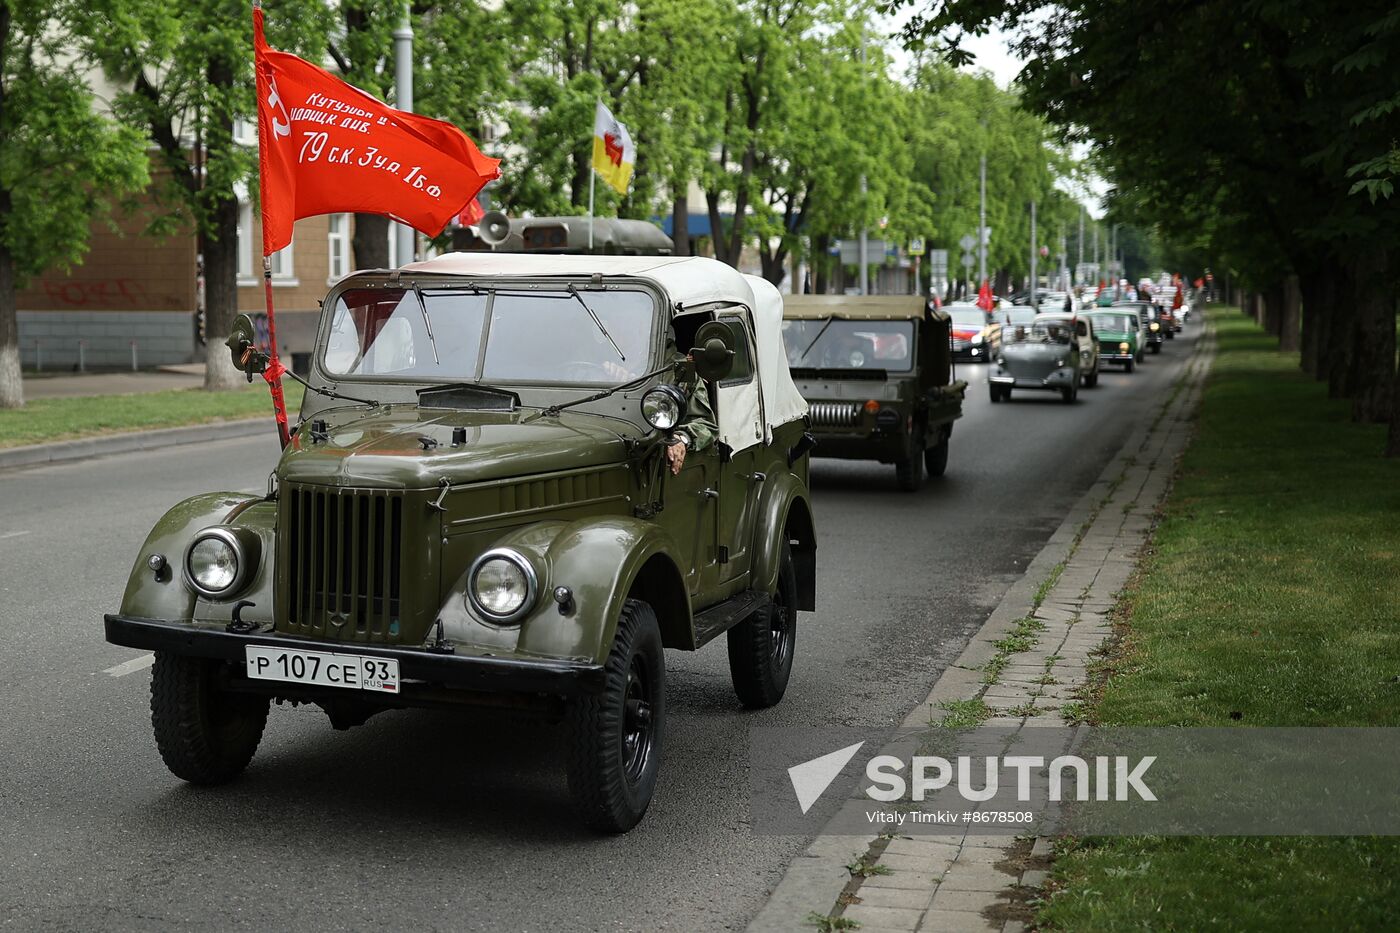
column 982, row 223
column 1079, row 266
column 403, row 97
column 864, row 206
column 1035, row 254
column 1098, row 268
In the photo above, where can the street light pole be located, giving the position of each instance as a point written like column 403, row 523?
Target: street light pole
column 864, row 207
column 1035, row 254
column 982, row 224
column 403, row 98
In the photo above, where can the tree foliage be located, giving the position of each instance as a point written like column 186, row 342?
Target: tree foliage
column 56, row 147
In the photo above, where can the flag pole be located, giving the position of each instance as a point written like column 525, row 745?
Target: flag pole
column 275, row 369
column 592, row 180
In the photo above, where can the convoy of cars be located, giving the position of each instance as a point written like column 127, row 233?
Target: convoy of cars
column 516, row 478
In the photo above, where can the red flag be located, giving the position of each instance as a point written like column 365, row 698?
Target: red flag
column 984, row 298
column 326, row 147
column 1178, row 301
column 471, row 214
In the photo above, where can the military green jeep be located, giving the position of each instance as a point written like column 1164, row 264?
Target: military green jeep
column 878, row 375
column 478, row 506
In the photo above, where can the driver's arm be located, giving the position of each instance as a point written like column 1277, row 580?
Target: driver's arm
column 696, row 430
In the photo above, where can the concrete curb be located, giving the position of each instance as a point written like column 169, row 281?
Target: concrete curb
column 1075, row 613
column 104, row 445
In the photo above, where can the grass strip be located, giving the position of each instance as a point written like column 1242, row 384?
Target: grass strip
column 46, row 420
column 1268, row 599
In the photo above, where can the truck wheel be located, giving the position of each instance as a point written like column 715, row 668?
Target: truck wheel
column 615, row 735
column 206, row 735
column 761, row 646
column 936, row 458
column 909, row 470
column 1128, row 366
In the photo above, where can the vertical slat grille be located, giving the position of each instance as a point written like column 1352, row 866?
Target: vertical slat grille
column 344, row 562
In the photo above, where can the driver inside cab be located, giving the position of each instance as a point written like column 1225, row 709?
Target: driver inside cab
column 697, row 427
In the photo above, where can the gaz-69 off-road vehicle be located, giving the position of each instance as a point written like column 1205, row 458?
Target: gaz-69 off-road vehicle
column 479, row 506
column 878, row 375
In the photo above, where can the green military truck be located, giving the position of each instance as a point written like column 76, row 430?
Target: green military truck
column 878, row 375
column 478, row 507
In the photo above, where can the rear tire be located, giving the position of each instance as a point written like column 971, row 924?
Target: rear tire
column 206, row 735
column 909, row 470
column 761, row 647
column 615, row 735
column 936, row 458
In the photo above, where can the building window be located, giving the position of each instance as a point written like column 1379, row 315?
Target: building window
column 338, row 247
column 245, row 240
column 250, row 253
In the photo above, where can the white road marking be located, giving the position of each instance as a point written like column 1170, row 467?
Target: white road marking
column 13, row 534
column 132, row 666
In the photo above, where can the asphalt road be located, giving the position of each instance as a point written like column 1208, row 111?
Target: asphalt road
column 432, row 821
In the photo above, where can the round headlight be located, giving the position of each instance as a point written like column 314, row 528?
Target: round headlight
column 217, row 563
column 502, row 585
column 1123, row 347
column 662, row 407
column 1155, row 326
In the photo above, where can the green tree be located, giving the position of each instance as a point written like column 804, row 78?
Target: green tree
column 56, row 149
column 189, row 70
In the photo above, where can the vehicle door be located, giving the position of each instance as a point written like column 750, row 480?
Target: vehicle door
column 1084, row 337
column 738, row 402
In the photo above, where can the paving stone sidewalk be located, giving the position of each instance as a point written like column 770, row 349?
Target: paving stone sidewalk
column 980, row 883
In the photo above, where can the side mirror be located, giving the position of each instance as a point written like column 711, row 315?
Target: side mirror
column 713, row 354
column 242, row 345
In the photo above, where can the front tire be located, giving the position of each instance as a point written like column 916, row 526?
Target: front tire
column 615, row 735
column 1128, row 366
column 1156, row 348
column 1070, row 394
column 936, row 458
column 206, row 735
column 909, row 471
column 761, row 647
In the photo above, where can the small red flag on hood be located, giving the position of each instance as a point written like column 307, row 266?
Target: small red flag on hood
column 326, row 147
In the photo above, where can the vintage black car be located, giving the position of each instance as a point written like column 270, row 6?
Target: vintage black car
column 1154, row 330
column 878, row 375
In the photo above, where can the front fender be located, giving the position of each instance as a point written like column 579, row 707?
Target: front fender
column 164, row 595
column 597, row 559
column 785, row 497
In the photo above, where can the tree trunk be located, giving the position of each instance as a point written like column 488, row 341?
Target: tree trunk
column 821, row 263
column 1273, row 308
column 1375, row 332
column 371, row 241
column 11, row 382
column 1290, row 316
column 1316, row 286
column 1340, row 337
column 1392, row 442
column 680, row 223
column 221, row 294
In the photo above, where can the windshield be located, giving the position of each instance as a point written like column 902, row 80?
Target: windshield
column 833, row 344
column 968, row 317
column 1023, row 316
column 543, row 337
column 1056, row 332
column 1121, row 323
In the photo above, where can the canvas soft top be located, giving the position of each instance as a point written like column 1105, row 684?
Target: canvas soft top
column 687, row 281
column 855, row 308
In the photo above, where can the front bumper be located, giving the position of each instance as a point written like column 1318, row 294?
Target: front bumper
column 471, row 672
column 1115, row 358
column 1061, row 378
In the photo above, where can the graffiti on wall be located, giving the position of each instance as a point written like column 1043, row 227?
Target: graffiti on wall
column 99, row 294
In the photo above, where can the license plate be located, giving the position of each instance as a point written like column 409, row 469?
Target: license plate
column 323, row 669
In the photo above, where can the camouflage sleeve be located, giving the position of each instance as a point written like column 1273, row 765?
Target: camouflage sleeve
column 699, row 420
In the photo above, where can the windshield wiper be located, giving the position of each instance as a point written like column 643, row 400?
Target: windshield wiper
column 554, row 410
column 803, row 355
column 328, row 393
column 427, row 324
column 597, row 320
